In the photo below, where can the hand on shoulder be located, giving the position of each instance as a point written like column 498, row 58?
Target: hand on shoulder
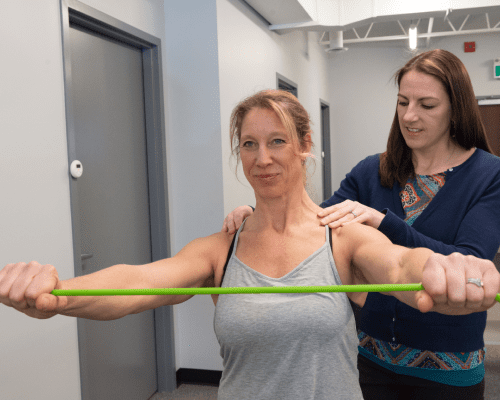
column 350, row 212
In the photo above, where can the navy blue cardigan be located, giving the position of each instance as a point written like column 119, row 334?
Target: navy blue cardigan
column 464, row 217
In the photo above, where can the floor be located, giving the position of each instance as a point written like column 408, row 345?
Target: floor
column 203, row 392
column 492, row 379
column 189, row 392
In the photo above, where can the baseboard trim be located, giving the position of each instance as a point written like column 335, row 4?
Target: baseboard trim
column 198, row 376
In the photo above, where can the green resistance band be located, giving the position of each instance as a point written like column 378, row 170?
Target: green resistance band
column 409, row 287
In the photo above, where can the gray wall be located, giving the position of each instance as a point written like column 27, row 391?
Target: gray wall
column 195, row 160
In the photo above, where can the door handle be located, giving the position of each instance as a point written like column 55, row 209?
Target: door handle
column 87, row 256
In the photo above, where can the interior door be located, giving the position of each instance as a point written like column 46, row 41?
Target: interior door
column 117, row 358
column 490, row 115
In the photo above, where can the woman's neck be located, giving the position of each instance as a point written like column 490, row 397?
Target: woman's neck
column 278, row 214
column 440, row 158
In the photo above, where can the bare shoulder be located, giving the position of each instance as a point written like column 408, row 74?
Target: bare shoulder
column 354, row 235
column 222, row 240
column 214, row 245
column 208, row 253
column 349, row 240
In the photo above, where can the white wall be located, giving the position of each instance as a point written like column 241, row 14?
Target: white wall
column 363, row 92
column 39, row 359
column 249, row 57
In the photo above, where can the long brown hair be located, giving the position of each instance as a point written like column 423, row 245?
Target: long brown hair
column 466, row 128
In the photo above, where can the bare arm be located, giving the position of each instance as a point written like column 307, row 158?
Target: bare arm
column 27, row 287
column 444, row 277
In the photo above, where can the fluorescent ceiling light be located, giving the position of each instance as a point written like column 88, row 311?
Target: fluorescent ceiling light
column 413, row 37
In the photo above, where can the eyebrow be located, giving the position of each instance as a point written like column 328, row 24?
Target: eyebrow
column 422, row 98
column 277, row 133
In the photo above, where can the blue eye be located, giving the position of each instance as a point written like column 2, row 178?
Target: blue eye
column 247, row 144
column 279, row 141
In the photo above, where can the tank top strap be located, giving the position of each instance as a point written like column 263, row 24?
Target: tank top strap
column 232, row 249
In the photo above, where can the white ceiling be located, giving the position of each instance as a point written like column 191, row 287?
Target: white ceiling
column 380, row 20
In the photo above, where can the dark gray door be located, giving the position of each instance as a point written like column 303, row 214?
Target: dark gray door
column 117, row 358
column 326, row 154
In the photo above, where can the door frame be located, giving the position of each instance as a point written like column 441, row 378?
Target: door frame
column 75, row 12
column 326, row 158
column 283, row 83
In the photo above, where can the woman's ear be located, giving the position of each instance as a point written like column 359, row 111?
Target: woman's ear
column 306, row 147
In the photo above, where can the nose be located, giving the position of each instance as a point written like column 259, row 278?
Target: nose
column 263, row 157
column 410, row 114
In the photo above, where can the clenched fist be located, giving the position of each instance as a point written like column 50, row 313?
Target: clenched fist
column 27, row 287
column 445, row 279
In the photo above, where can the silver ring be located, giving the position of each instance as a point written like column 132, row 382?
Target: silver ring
column 352, row 212
column 476, row 281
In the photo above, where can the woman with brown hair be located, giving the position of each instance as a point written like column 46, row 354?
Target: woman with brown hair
column 437, row 186
column 274, row 346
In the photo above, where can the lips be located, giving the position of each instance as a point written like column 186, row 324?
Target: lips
column 266, row 178
column 413, row 131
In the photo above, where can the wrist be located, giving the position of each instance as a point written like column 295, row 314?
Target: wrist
column 378, row 219
column 412, row 264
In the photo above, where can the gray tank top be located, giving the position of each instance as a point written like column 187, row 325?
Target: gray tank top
column 288, row 345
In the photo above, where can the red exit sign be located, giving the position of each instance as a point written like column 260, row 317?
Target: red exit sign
column 469, row 47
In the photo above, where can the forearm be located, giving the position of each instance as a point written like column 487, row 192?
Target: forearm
column 412, row 263
column 105, row 307
column 410, row 270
